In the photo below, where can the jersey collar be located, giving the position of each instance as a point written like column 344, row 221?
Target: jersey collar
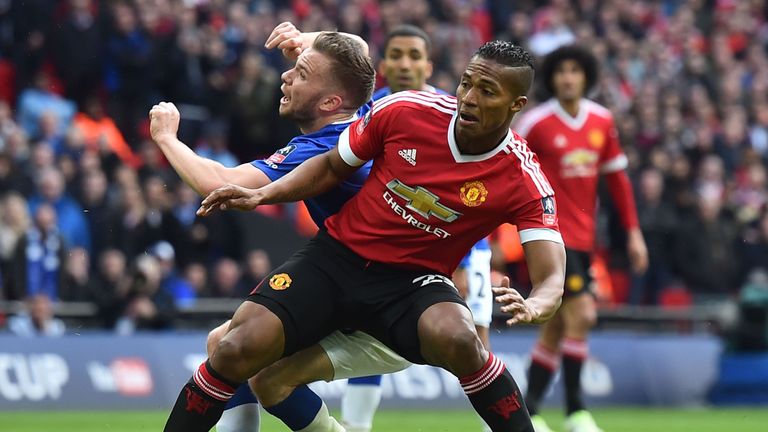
column 464, row 158
column 575, row 123
column 349, row 119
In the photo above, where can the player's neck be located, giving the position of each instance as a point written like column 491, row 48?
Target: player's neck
column 321, row 122
column 570, row 106
column 475, row 145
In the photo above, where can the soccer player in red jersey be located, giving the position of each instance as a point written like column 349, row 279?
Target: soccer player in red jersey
column 383, row 262
column 577, row 143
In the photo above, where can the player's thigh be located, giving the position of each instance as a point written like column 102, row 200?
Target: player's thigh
column 359, row 354
column 480, row 295
column 302, row 295
column 275, row 382
column 579, row 314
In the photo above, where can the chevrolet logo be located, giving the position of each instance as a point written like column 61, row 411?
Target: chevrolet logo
column 422, row 201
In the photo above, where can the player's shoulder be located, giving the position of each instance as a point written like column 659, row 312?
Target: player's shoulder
column 526, row 166
column 529, row 119
column 416, row 100
column 597, row 110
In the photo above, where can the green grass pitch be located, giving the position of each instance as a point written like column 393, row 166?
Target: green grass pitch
column 612, row 420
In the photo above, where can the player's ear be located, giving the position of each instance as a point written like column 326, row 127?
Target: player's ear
column 518, row 104
column 381, row 68
column 429, row 69
column 331, row 103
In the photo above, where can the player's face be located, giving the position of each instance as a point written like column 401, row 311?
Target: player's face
column 569, row 80
column 406, row 64
column 304, row 87
column 487, row 98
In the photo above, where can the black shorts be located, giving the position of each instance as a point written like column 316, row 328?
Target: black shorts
column 578, row 276
column 325, row 286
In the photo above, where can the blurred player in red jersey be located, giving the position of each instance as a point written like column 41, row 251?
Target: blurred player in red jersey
column 383, row 262
column 576, row 142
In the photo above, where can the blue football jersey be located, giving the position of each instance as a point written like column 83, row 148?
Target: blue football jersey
column 481, row 245
column 306, row 146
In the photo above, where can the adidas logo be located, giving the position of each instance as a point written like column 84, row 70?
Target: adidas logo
column 409, row 155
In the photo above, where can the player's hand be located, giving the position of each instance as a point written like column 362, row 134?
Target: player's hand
column 287, row 38
column 230, row 197
column 521, row 310
column 163, row 121
column 637, row 251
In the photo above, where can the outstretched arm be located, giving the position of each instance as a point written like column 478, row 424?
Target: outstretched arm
column 313, row 177
column 546, row 267
column 201, row 174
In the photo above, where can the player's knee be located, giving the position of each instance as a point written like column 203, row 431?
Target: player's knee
column 458, row 349
column 214, row 336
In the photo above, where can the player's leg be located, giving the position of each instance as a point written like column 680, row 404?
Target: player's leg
column 360, row 401
column 338, row 356
column 241, row 413
column 432, row 324
column 579, row 313
column 545, row 360
column 255, row 339
column 263, row 330
column 579, row 316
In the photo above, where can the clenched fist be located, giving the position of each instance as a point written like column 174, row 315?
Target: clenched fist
column 164, row 121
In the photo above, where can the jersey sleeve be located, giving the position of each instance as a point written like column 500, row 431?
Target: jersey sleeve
column 364, row 138
column 289, row 157
column 612, row 158
column 537, row 220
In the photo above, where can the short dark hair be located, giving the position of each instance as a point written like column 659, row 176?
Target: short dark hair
column 509, row 54
column 407, row 30
column 580, row 55
column 350, row 65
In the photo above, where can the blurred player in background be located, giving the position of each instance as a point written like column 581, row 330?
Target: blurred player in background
column 576, row 142
column 406, row 65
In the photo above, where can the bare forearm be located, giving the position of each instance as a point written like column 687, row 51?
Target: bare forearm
column 201, row 174
column 546, row 266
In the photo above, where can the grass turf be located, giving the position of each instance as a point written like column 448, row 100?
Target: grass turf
column 611, row 420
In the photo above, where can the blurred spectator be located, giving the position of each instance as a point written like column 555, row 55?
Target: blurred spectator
column 71, row 222
column 110, row 286
column 36, row 101
column 76, row 279
column 658, row 222
column 196, row 275
column 226, row 279
column 101, row 135
column 754, row 256
column 146, row 305
column 128, row 68
column 38, row 258
column 96, row 208
column 182, row 292
column 214, row 145
column 14, row 223
column 77, row 48
column 254, row 98
column 37, row 318
column 705, row 250
column 257, row 267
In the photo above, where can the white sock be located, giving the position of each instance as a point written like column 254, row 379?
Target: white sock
column 242, row 418
column 358, row 407
column 323, row 422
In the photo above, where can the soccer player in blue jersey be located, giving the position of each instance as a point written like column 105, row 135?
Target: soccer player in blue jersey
column 322, row 94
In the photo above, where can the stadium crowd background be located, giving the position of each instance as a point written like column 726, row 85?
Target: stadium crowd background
column 90, row 211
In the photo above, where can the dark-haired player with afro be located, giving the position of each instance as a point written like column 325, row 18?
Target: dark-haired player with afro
column 577, row 143
column 382, row 264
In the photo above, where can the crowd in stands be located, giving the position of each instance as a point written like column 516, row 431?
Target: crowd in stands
column 90, row 211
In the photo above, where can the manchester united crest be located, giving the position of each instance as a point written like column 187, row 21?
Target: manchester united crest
column 473, row 193
column 596, row 138
column 280, row 282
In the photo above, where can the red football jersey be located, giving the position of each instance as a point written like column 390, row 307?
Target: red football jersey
column 573, row 152
column 425, row 204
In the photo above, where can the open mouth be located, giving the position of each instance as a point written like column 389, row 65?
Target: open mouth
column 468, row 117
